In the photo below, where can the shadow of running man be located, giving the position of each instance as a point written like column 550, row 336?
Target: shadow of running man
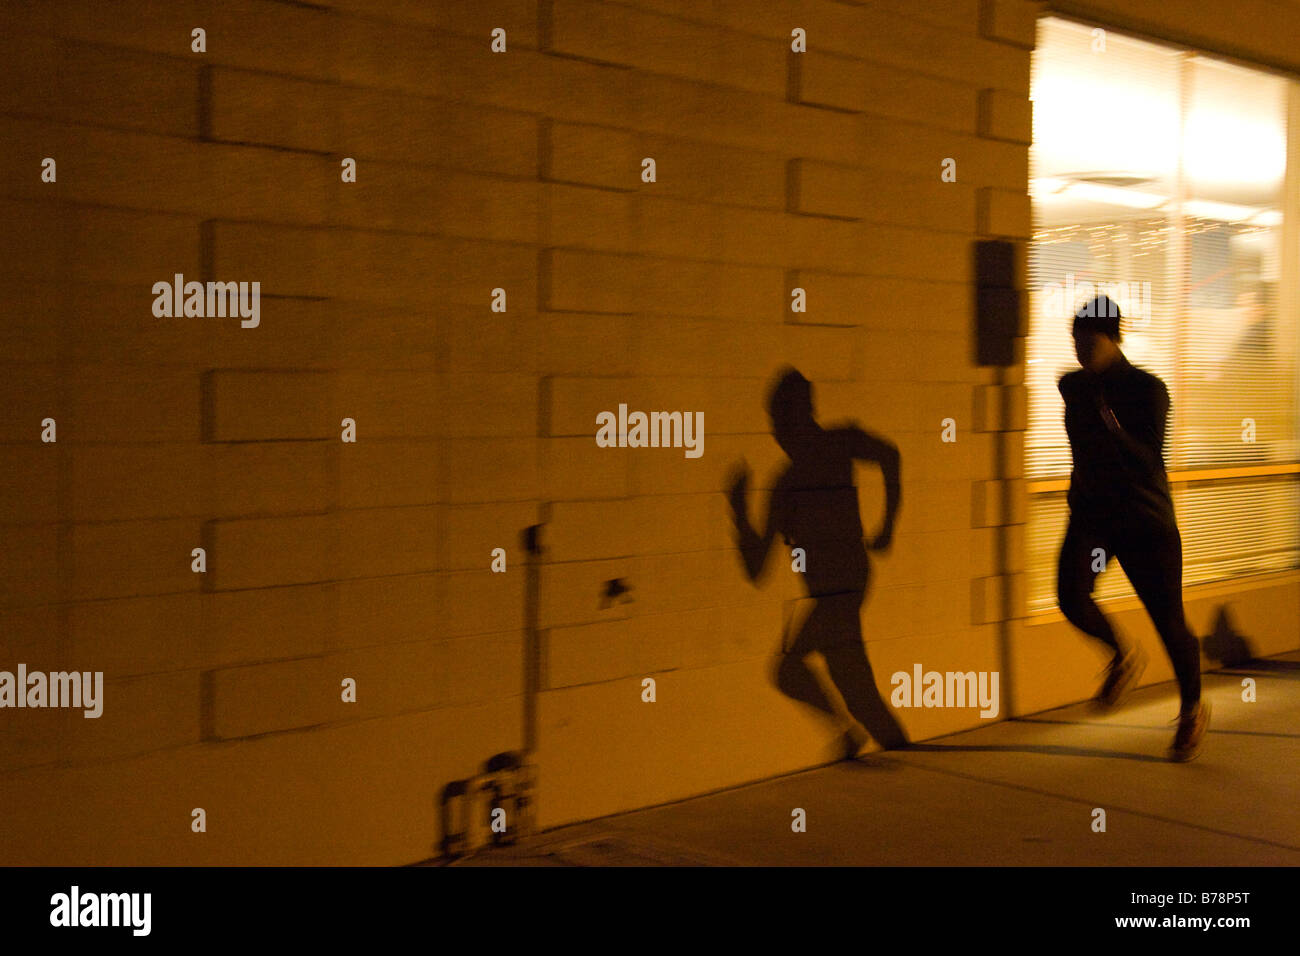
column 814, row 506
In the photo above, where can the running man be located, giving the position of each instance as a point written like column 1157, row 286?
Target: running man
column 1120, row 506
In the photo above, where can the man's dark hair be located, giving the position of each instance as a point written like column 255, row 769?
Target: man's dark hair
column 1100, row 314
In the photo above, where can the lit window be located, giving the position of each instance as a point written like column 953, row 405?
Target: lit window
column 1159, row 177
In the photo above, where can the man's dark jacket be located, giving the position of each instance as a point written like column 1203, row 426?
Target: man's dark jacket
column 1118, row 476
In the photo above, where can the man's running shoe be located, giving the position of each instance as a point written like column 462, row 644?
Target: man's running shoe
column 1191, row 730
column 1122, row 677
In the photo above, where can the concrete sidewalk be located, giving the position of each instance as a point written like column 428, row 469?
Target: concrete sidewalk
column 1018, row 792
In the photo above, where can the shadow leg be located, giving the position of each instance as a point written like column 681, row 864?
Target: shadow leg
column 793, row 677
column 850, row 670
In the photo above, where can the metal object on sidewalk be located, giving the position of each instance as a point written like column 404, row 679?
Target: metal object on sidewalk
column 509, row 783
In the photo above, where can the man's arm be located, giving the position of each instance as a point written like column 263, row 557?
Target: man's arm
column 752, row 545
column 1144, row 439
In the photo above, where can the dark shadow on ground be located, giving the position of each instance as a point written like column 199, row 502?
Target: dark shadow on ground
column 1050, row 750
column 1226, row 646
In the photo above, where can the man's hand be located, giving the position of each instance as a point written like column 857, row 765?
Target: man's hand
column 1127, row 442
column 1103, row 408
column 1108, row 416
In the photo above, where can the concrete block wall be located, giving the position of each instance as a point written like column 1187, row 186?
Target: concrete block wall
column 476, row 171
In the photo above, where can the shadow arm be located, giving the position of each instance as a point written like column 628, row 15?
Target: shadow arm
column 874, row 448
column 752, row 545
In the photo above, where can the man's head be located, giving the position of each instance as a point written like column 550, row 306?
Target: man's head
column 1096, row 333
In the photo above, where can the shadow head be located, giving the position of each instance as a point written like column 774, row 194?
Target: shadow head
column 790, row 406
